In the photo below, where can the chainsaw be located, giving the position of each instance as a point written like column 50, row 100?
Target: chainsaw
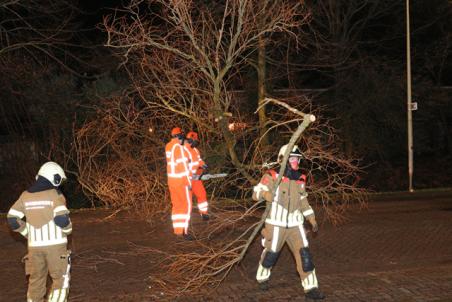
column 209, row 176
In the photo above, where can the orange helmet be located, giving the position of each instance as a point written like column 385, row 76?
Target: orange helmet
column 176, row 131
column 193, row 135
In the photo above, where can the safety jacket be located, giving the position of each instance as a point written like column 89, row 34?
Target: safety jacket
column 196, row 161
column 177, row 163
column 40, row 210
column 289, row 205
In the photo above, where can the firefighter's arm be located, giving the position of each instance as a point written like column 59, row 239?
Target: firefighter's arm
column 262, row 191
column 15, row 218
column 61, row 214
column 182, row 155
column 308, row 212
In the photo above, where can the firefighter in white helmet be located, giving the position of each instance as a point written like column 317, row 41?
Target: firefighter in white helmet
column 40, row 215
column 284, row 223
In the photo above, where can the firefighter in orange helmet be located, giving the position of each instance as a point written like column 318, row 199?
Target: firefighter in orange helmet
column 179, row 182
column 197, row 167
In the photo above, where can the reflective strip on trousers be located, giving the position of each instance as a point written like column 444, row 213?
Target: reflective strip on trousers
column 58, row 295
column 187, row 197
column 263, row 274
column 275, row 239
column 303, row 236
column 310, row 281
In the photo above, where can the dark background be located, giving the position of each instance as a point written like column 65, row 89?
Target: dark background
column 358, row 71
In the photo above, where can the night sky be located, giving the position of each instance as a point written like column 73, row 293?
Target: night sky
column 360, row 75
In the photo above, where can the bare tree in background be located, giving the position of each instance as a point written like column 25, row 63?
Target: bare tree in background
column 187, row 55
column 184, row 59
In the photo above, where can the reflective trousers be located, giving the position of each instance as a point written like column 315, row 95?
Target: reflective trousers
column 201, row 196
column 181, row 207
column 274, row 238
column 42, row 261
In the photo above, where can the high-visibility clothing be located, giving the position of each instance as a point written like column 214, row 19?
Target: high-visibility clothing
column 52, row 260
column 179, row 185
column 46, row 227
column 284, row 224
column 274, row 238
column 181, row 208
column 40, row 208
column 289, row 206
column 198, row 189
column 177, row 163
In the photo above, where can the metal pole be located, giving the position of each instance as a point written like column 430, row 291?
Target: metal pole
column 409, row 101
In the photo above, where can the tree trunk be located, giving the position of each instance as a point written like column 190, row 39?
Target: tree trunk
column 228, row 137
column 261, row 59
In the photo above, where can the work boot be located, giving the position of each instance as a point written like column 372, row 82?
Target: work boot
column 188, row 237
column 205, row 217
column 263, row 285
column 314, row 294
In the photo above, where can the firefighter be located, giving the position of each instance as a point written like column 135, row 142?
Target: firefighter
column 40, row 215
column 284, row 223
column 197, row 167
column 179, row 183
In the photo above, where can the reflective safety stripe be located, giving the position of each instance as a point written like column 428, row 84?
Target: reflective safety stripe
column 303, row 236
column 180, row 224
column 67, row 275
column 263, row 274
column 24, row 232
column 308, row 212
column 275, row 239
column 310, row 281
column 179, row 216
column 38, row 203
column 279, row 216
column 48, row 242
column 178, row 175
column 172, row 162
column 16, row 213
column 189, row 205
column 58, row 295
column 203, row 205
column 48, row 234
column 60, row 209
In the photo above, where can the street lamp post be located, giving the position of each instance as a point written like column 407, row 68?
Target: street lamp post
column 409, row 101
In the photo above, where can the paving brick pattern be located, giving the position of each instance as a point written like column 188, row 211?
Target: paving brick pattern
column 392, row 251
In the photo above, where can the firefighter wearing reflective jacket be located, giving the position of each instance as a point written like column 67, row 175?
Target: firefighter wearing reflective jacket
column 179, row 182
column 197, row 167
column 40, row 215
column 284, row 223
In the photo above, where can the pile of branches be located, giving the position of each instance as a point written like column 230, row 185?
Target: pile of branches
column 120, row 160
column 183, row 69
column 121, row 164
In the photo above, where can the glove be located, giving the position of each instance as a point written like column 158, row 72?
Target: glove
column 267, row 195
column 260, row 189
column 314, row 225
column 196, row 177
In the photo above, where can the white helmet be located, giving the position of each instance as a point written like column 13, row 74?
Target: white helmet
column 295, row 152
column 52, row 172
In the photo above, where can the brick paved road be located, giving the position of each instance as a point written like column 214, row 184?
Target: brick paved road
column 394, row 251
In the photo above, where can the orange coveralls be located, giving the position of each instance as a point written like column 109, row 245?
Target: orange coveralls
column 196, row 184
column 179, row 183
